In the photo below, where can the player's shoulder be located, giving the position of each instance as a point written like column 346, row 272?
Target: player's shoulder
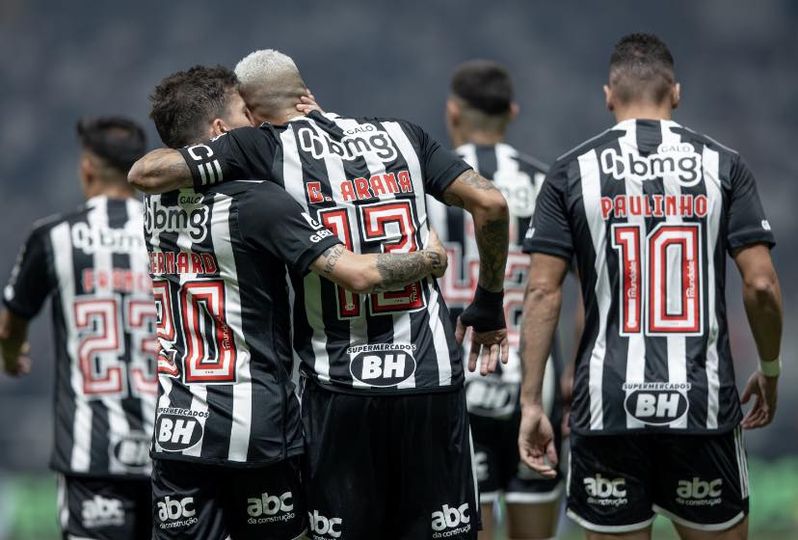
column 596, row 144
column 44, row 225
column 689, row 135
column 528, row 164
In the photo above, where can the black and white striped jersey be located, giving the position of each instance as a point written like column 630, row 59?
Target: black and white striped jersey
column 365, row 180
column 93, row 264
column 218, row 263
column 650, row 209
column 519, row 178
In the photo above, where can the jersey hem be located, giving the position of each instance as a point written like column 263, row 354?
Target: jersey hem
column 720, row 430
column 377, row 393
column 102, row 476
column 291, row 452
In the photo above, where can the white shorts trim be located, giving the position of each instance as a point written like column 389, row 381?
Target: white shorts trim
column 520, row 497
column 609, row 528
column 700, row 526
column 489, row 497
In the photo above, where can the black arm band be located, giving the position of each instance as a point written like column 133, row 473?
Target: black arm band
column 486, row 312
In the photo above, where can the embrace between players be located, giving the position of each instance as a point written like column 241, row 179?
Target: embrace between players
column 308, row 240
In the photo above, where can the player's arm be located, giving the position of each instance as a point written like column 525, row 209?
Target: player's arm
column 367, row 273
column 30, row 284
column 240, row 154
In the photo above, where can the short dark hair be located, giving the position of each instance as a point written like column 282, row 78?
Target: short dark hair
column 184, row 102
column 641, row 67
column 484, row 85
column 116, row 140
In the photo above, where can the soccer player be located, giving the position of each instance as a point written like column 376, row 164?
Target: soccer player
column 93, row 264
column 478, row 112
column 387, row 437
column 650, row 209
column 228, row 432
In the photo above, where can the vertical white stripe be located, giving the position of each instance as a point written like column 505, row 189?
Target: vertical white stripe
column 63, row 502
column 677, row 343
column 295, row 186
column 636, row 351
column 118, row 425
column 61, row 238
column 242, row 389
column 474, row 476
column 139, row 264
column 712, row 183
column 509, row 168
column 469, row 154
column 405, row 147
column 591, row 200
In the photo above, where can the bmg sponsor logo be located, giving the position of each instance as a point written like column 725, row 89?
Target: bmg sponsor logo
column 102, row 512
column 175, row 433
column 383, row 368
column 605, row 491
column 697, row 492
column 451, row 521
column 190, row 219
column 680, row 160
column 176, row 513
column 355, row 144
column 270, row 508
column 657, row 403
column 322, row 527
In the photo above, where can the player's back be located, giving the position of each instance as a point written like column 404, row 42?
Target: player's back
column 94, row 264
column 219, row 278
column 650, row 210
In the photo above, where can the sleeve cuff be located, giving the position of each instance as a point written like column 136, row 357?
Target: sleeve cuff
column 196, row 179
column 750, row 237
column 548, row 247
column 306, row 258
column 19, row 310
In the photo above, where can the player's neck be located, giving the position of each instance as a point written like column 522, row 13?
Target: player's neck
column 482, row 138
column 643, row 111
column 113, row 191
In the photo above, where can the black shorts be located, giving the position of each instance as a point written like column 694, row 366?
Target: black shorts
column 388, row 467
column 617, row 482
column 191, row 500
column 104, row 508
column 500, row 469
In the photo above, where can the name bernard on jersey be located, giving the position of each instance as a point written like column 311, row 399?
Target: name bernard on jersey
column 657, row 403
column 189, row 218
column 382, row 364
column 178, row 429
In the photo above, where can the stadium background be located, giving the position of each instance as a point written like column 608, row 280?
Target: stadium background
column 736, row 61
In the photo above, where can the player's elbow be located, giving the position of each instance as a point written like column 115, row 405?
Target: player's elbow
column 762, row 287
column 359, row 281
column 491, row 205
column 139, row 178
column 544, row 291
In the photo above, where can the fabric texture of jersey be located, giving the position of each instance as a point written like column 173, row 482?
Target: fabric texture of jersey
column 617, row 482
column 218, row 262
column 365, row 180
column 650, row 209
column 407, row 475
column 93, row 264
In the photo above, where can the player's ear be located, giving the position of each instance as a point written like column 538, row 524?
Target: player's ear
column 453, row 111
column 676, row 95
column 608, row 98
column 218, row 127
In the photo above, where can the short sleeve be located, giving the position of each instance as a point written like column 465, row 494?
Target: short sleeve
column 440, row 166
column 747, row 223
column 271, row 220
column 242, row 153
column 31, row 280
column 550, row 232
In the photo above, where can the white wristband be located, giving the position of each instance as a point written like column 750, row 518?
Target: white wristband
column 771, row 368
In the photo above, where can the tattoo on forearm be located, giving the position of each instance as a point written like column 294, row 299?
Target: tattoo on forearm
column 399, row 269
column 331, row 258
column 492, row 243
column 470, row 178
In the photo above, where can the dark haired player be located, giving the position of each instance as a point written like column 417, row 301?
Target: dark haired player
column 650, row 209
column 227, row 429
column 93, row 264
column 387, row 437
column 478, row 111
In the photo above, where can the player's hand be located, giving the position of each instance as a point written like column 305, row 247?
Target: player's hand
column 20, row 364
column 308, row 103
column 435, row 245
column 536, row 441
column 492, row 344
column 765, row 392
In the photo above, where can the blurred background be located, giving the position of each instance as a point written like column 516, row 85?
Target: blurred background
column 737, row 62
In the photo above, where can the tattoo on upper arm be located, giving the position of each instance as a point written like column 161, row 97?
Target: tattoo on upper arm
column 331, row 257
column 470, row 178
